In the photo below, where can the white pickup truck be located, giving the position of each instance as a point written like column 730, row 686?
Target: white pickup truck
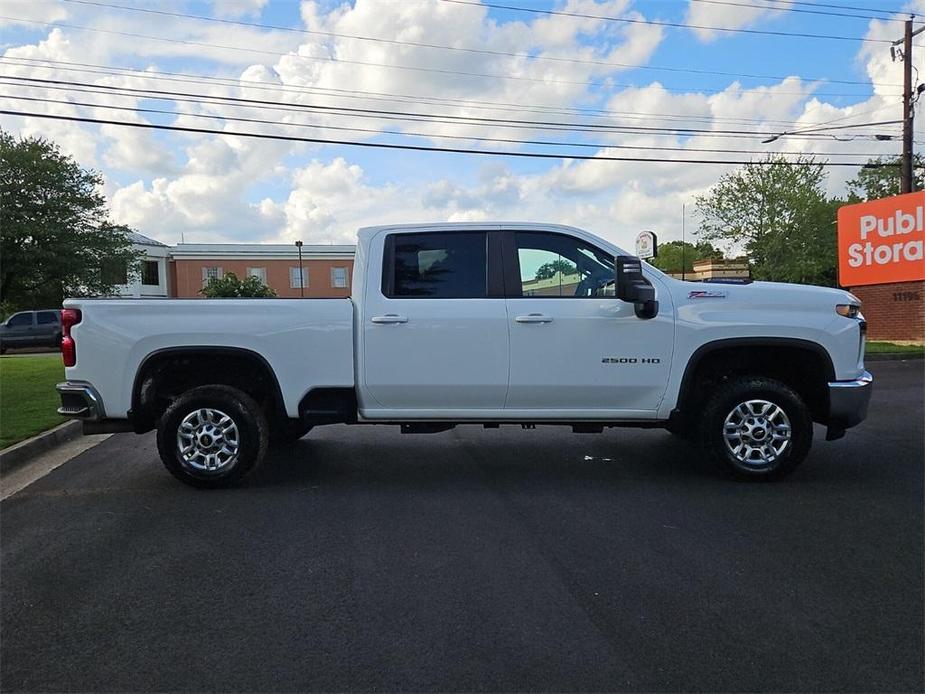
column 484, row 324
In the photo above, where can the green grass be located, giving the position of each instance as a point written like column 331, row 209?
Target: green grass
column 27, row 396
column 892, row 348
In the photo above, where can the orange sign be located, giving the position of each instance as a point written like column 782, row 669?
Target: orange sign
column 881, row 241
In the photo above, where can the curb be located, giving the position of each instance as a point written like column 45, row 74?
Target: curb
column 894, row 356
column 21, row 453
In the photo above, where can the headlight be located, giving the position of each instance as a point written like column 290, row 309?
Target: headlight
column 848, row 310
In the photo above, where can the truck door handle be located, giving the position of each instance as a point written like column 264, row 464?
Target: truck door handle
column 534, row 318
column 389, row 318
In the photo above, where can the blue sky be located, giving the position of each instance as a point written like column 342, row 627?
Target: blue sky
column 217, row 187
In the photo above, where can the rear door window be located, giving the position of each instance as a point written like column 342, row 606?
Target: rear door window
column 447, row 265
column 47, row 317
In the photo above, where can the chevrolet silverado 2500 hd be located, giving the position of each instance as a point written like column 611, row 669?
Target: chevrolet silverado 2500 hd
column 475, row 323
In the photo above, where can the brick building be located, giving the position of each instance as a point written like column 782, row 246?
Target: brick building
column 894, row 311
column 326, row 271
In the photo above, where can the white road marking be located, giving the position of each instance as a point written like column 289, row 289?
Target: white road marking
column 37, row 468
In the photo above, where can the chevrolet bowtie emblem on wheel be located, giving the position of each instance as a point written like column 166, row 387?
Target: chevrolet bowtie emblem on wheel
column 707, row 294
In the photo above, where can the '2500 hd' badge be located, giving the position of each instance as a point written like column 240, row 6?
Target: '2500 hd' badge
column 631, row 360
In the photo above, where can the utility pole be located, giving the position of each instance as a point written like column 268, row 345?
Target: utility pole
column 683, row 219
column 905, row 185
column 906, row 175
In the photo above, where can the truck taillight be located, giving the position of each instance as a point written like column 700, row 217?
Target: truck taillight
column 69, row 318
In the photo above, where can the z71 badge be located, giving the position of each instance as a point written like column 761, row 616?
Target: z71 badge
column 707, row 294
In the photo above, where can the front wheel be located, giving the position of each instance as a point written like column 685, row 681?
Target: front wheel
column 756, row 428
column 212, row 436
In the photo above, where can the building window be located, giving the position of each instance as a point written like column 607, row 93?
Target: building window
column 259, row 272
column 151, row 273
column 211, row 273
column 294, row 274
column 338, row 277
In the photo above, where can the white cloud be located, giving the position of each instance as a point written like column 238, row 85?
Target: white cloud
column 729, row 16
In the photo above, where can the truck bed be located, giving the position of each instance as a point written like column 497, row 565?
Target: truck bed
column 306, row 342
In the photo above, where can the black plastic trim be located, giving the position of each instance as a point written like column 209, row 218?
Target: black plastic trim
column 735, row 342
column 200, row 350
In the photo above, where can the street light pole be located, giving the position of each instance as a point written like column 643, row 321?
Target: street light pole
column 301, row 271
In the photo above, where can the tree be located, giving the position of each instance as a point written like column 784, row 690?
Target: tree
column 548, row 270
column 230, row 286
column 671, row 254
column 779, row 214
column 57, row 240
column 880, row 178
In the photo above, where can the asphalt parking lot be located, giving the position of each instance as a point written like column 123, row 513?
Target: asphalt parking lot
column 364, row 559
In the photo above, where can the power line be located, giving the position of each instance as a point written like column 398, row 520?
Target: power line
column 414, row 115
column 201, row 101
column 417, row 148
column 654, row 22
column 835, row 7
column 374, row 96
column 778, row 8
column 479, row 51
column 416, row 68
column 435, row 136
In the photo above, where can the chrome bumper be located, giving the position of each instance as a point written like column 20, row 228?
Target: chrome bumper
column 80, row 401
column 848, row 401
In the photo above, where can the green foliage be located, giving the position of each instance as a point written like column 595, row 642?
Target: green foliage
column 230, row 286
column 548, row 270
column 881, row 179
column 779, row 215
column 672, row 253
column 56, row 233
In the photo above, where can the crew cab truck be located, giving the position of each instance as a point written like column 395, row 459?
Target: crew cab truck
column 482, row 324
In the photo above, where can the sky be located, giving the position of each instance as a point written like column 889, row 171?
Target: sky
column 610, row 78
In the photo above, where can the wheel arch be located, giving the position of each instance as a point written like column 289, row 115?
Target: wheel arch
column 144, row 412
column 804, row 365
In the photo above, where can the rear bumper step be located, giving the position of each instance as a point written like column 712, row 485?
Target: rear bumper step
column 80, row 401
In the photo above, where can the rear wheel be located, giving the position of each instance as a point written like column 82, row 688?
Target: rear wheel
column 756, row 428
column 212, row 436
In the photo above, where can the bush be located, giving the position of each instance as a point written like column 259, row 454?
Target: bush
column 230, row 286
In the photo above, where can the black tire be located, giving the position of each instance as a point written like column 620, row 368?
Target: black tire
column 768, row 462
column 286, row 431
column 249, row 439
column 2, row 350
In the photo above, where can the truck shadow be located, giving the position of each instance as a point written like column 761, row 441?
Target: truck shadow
column 469, row 455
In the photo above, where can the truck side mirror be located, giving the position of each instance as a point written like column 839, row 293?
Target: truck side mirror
column 633, row 287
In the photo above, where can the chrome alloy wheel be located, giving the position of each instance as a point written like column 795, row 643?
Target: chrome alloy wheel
column 208, row 441
column 757, row 433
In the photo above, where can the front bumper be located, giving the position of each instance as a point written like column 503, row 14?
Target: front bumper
column 848, row 401
column 80, row 401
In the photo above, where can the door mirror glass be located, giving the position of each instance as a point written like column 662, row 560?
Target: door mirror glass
column 633, row 287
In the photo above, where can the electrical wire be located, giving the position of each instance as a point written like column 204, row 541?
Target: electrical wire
column 416, row 68
column 433, row 136
column 654, row 22
column 421, row 148
column 409, row 115
column 778, row 8
column 479, row 51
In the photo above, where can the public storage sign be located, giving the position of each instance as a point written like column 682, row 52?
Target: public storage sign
column 881, row 241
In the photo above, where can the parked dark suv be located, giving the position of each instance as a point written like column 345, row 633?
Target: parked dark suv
column 31, row 329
